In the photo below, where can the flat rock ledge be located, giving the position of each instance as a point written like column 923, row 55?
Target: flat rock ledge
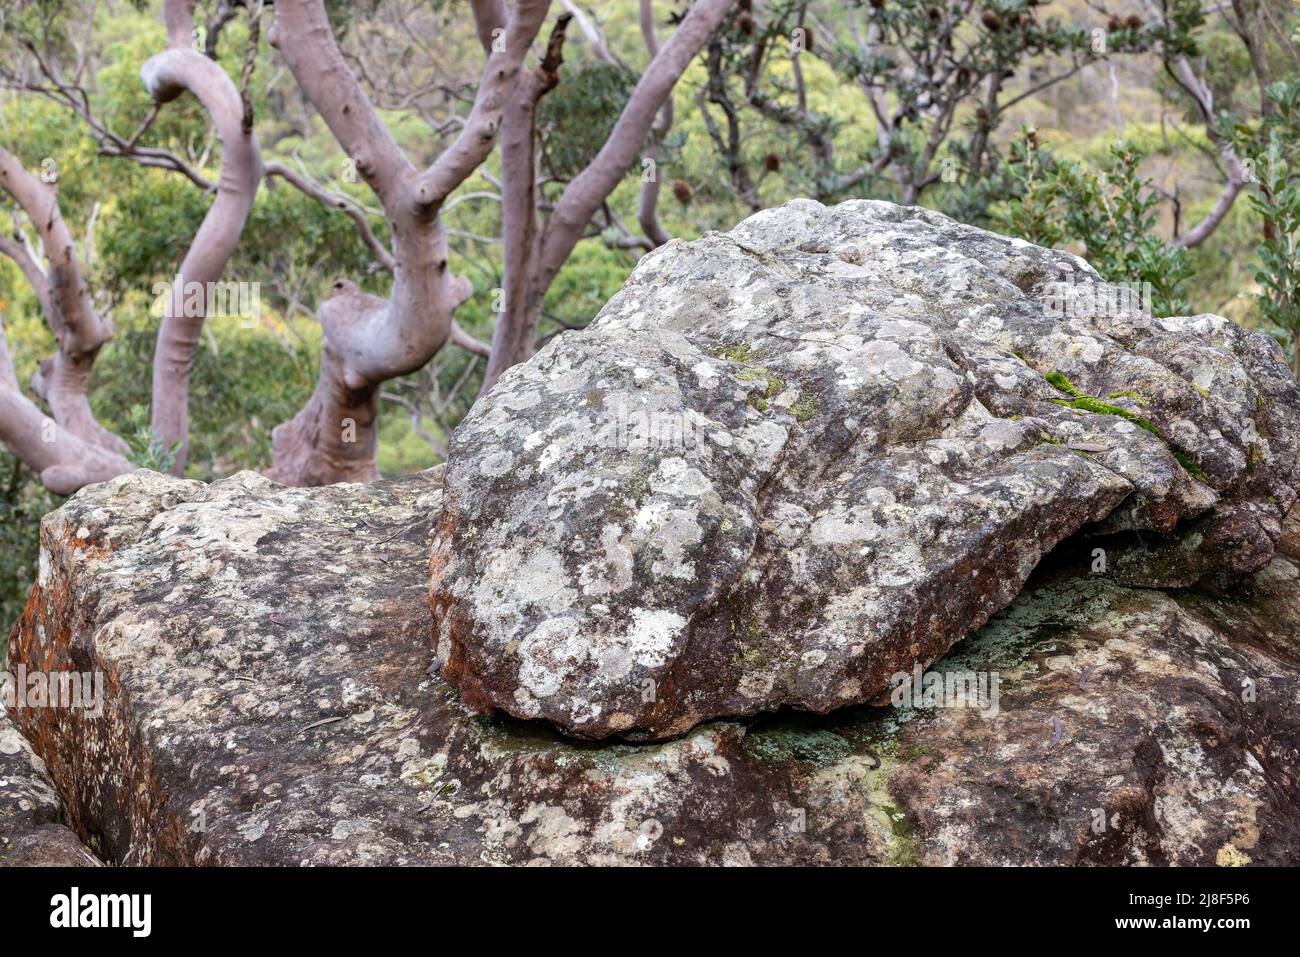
column 789, row 461
column 269, row 699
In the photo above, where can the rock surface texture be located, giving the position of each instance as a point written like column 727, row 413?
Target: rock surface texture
column 269, row 700
column 789, row 461
column 32, row 833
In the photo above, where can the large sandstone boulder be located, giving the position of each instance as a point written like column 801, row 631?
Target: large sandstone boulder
column 789, row 461
column 269, row 700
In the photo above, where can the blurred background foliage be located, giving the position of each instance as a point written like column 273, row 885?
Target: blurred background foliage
column 1100, row 163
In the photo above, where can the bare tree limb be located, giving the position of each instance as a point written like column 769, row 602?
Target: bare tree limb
column 519, row 198
column 478, row 137
column 337, row 201
column 250, row 62
column 64, row 461
column 1200, row 92
column 461, row 338
column 590, row 188
column 64, row 379
column 72, row 316
column 489, row 16
column 536, row 262
column 367, row 339
column 27, row 265
column 177, row 70
column 647, row 209
column 589, row 30
column 417, row 420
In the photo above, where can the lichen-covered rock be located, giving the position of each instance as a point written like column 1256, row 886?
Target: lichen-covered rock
column 269, row 700
column 788, row 461
column 32, row 833
column 1151, row 729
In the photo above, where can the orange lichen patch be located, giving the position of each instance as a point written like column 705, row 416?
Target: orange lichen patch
column 107, row 779
column 94, row 548
column 472, row 694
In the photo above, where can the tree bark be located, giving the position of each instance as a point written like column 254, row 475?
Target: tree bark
column 517, row 327
column 65, row 300
column 334, row 438
column 1200, row 91
column 368, row 340
column 179, row 69
column 70, row 448
column 647, row 208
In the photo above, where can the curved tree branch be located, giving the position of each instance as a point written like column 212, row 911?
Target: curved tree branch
column 590, row 188
column 64, row 461
column 1181, row 70
column 340, row 202
column 599, row 48
column 72, row 316
column 177, row 70
column 461, row 338
column 479, row 135
column 64, row 379
column 537, row 261
column 647, row 208
column 368, row 339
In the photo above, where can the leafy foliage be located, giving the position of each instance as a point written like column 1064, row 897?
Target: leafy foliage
column 147, row 450
column 575, row 119
column 1110, row 211
column 22, row 503
column 1276, row 161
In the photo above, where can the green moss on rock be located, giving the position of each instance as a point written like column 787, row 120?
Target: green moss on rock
column 1086, row 403
column 1059, row 381
column 741, row 352
column 810, row 745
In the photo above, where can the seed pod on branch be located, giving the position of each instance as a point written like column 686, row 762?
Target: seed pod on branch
column 682, row 190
